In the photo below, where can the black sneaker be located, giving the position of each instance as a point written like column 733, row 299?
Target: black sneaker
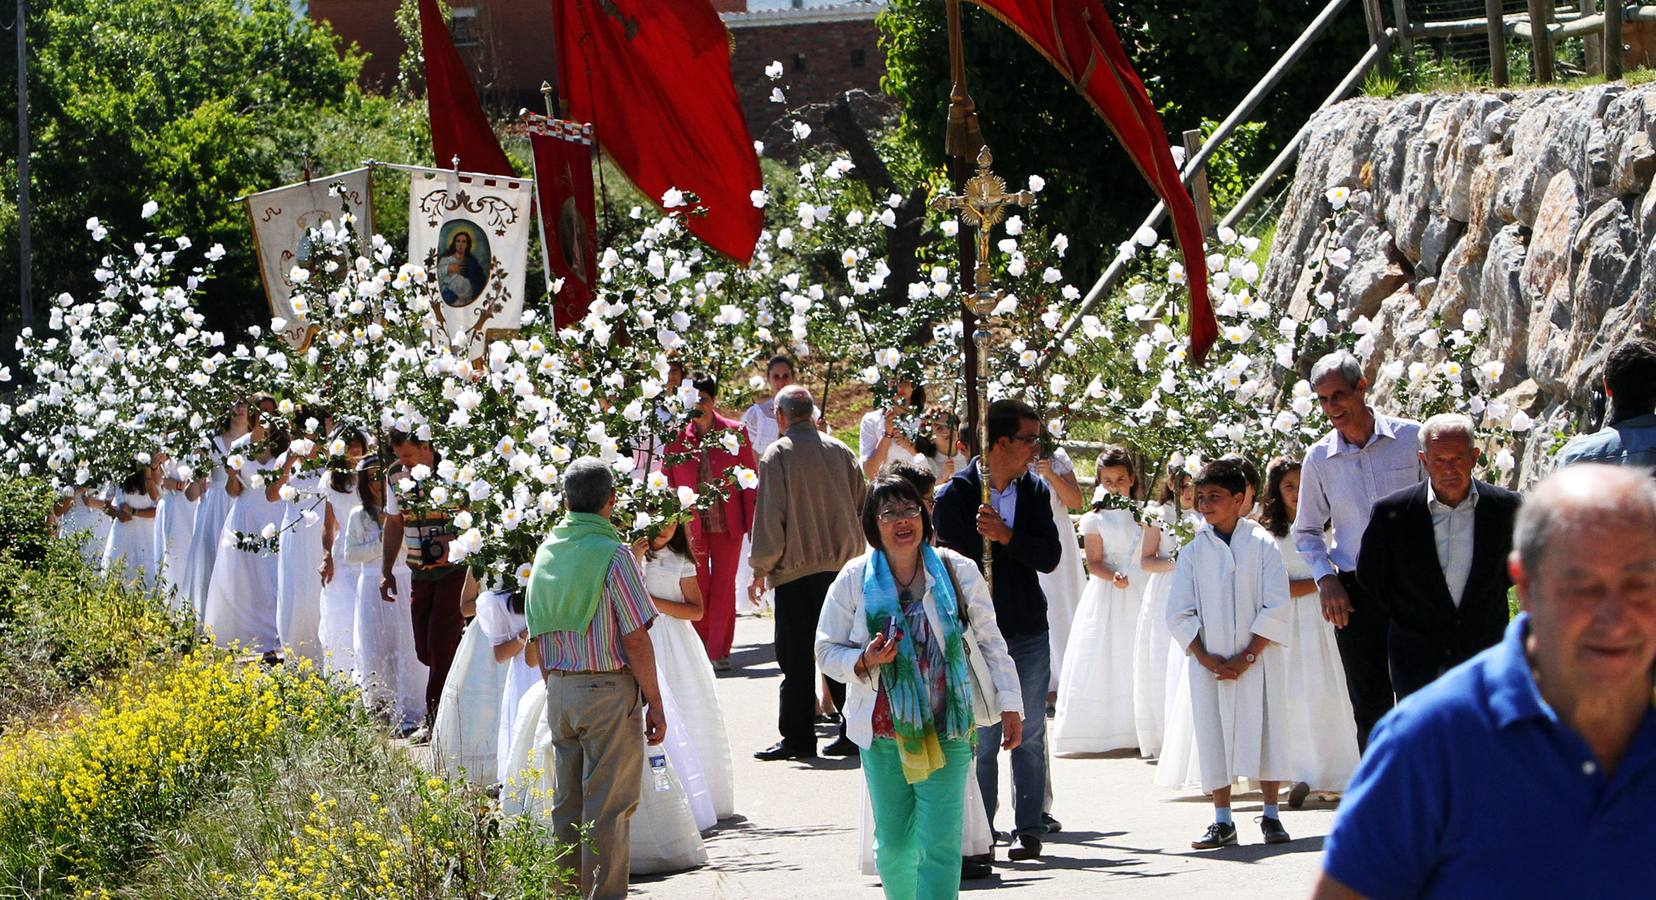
column 1297, row 794
column 843, row 746
column 977, row 866
column 1272, row 829
column 1219, row 834
column 780, row 750
column 1053, row 826
column 1024, row 846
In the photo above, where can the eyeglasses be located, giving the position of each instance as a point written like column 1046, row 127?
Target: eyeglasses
column 1027, row 438
column 894, row 514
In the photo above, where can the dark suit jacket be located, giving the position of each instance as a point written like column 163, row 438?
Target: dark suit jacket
column 1020, row 605
column 1399, row 568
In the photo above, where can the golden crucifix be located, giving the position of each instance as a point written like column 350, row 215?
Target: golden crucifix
column 982, row 205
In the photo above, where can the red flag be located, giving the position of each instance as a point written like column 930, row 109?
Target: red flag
column 1077, row 38
column 564, row 196
column 654, row 79
column 458, row 125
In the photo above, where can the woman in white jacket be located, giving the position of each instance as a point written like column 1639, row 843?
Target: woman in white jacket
column 891, row 629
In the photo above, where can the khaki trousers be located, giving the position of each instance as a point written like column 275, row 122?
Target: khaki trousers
column 597, row 724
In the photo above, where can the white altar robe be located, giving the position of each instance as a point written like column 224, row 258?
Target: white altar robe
column 1227, row 594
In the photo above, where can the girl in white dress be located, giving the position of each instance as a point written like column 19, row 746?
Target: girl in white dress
column 1153, row 674
column 241, row 597
column 1322, row 734
column 212, row 510
column 1063, row 585
column 175, row 525
column 129, row 553
column 391, row 677
column 471, row 736
column 878, row 439
column 77, row 516
column 339, row 577
column 670, row 577
column 299, row 548
column 1095, row 694
column 664, row 836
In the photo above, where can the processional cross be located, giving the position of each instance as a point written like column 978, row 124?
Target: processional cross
column 982, row 205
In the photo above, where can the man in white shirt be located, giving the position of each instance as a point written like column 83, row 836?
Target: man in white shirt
column 1435, row 554
column 1365, row 457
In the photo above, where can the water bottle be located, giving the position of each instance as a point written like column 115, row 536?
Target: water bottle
column 658, row 769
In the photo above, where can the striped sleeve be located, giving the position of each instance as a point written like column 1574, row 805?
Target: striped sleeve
column 625, row 592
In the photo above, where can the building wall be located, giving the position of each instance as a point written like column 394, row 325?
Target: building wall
column 513, row 50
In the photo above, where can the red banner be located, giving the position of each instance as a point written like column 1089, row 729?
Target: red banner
column 1076, row 36
column 654, row 79
column 568, row 218
column 459, row 127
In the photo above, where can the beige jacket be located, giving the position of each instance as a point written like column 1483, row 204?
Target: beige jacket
column 807, row 518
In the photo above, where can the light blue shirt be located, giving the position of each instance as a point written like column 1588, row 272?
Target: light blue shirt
column 1339, row 485
column 1630, row 442
column 1005, row 502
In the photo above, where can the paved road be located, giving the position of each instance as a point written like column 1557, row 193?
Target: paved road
column 796, row 834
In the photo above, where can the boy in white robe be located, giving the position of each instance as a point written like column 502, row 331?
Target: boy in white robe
column 1229, row 608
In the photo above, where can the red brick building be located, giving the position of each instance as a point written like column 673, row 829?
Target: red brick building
column 826, row 47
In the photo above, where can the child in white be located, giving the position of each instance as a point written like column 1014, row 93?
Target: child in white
column 1095, row 694
column 1153, row 662
column 1229, row 608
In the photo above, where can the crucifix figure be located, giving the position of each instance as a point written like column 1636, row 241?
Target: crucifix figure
column 982, row 205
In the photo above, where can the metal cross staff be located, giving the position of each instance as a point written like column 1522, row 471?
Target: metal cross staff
column 982, row 206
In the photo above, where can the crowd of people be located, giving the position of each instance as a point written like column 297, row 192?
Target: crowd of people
column 1239, row 627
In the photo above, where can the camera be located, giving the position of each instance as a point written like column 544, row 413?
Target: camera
column 430, row 552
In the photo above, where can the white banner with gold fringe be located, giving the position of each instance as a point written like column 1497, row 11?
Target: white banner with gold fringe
column 282, row 219
column 471, row 233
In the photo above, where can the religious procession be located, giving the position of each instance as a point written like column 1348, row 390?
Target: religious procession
column 609, row 448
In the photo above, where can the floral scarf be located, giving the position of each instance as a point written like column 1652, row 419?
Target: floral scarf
column 917, row 734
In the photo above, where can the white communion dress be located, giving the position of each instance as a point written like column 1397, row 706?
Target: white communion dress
column 664, row 836
column 241, row 598
column 682, row 662
column 391, row 678
column 1095, row 694
column 174, row 529
column 339, row 596
column 94, row 524
column 1322, row 736
column 129, row 552
column 1152, row 682
column 298, row 569
column 465, row 735
column 1063, row 585
column 211, row 511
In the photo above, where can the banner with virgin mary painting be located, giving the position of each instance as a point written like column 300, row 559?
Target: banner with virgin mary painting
column 471, row 233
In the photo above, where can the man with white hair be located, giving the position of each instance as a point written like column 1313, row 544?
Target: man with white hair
column 1365, row 457
column 1529, row 771
column 1434, row 555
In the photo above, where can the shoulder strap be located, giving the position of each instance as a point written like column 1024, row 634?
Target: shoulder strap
column 960, row 596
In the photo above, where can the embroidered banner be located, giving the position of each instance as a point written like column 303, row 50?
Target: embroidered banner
column 471, row 233
column 282, row 219
column 564, row 200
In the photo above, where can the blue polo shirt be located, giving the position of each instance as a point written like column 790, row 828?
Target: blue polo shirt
column 1473, row 787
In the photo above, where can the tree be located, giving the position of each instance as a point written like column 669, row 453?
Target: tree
column 189, row 104
column 1198, row 58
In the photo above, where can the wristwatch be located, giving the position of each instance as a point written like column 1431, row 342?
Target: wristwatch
column 1250, row 658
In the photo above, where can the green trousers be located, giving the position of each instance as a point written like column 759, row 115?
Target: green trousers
column 917, row 826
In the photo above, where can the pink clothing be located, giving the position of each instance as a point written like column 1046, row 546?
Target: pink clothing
column 718, row 555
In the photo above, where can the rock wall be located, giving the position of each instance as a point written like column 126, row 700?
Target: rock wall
column 1533, row 207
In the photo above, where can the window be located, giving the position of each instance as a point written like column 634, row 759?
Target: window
column 799, row 62
column 859, row 58
column 463, row 27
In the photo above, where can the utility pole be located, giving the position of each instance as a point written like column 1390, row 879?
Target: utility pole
column 23, row 209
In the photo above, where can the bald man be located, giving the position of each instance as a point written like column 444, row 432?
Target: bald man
column 1529, row 771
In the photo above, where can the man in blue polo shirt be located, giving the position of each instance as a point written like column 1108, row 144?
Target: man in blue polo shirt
column 1530, row 770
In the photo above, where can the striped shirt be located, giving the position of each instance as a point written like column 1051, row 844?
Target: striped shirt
column 625, row 608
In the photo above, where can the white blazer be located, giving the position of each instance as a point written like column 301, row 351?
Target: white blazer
column 842, row 633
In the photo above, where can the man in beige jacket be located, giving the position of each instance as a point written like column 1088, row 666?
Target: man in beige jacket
column 806, row 527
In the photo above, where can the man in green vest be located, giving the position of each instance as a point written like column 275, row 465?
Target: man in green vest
column 590, row 615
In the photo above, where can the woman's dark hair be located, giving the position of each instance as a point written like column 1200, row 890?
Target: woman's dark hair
column 1630, row 373
column 1117, row 456
column 1176, row 480
column 925, row 445
column 1275, row 515
column 705, row 383
column 222, row 423
column 343, row 477
column 138, row 481
column 396, row 437
column 917, row 397
column 920, row 476
column 368, row 474
column 780, row 360
column 891, row 487
column 679, row 543
column 305, row 413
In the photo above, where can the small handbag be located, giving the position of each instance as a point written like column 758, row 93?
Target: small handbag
column 984, row 713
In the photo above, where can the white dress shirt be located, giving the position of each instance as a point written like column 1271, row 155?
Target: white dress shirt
column 1452, row 531
column 1339, row 484
column 869, row 433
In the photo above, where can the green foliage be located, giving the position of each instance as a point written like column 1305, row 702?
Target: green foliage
column 1382, row 86
column 190, row 104
column 25, row 535
column 1196, row 57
